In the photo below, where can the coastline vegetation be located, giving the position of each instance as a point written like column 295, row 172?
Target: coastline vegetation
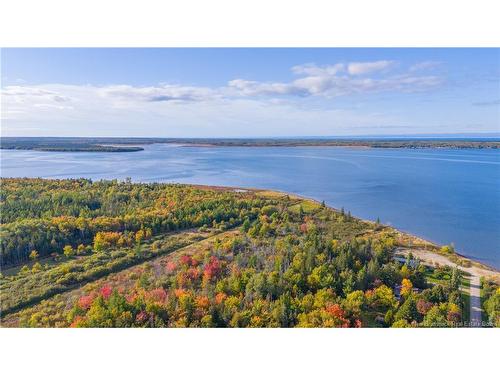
column 68, row 144
column 134, row 144
column 490, row 300
column 119, row 254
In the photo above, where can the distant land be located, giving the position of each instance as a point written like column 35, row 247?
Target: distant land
column 67, row 144
column 112, row 144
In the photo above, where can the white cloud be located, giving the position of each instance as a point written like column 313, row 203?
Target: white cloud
column 314, row 70
column 338, row 80
column 95, row 114
column 162, row 93
column 334, row 85
column 329, row 81
column 424, row 65
column 360, row 68
column 23, row 93
column 241, row 106
column 253, row 88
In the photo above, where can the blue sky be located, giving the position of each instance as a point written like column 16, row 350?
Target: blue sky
column 249, row 92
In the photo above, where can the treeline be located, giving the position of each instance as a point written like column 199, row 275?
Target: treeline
column 47, row 215
column 130, row 144
column 64, row 144
column 390, row 143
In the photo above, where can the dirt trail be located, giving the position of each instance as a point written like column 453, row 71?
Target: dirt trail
column 121, row 279
column 431, row 258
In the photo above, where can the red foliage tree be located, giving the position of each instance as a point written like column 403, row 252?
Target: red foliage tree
column 220, row 297
column 142, row 317
column 106, row 291
column 186, row 260
column 337, row 313
column 170, row 266
column 76, row 322
column 193, row 274
column 85, row 301
column 213, row 268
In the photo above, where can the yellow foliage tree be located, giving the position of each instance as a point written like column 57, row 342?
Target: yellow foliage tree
column 68, row 251
column 34, row 255
column 406, row 287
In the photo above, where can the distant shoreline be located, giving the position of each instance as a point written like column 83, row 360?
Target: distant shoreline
column 67, row 144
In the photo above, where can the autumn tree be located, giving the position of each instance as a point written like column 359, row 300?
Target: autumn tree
column 139, row 236
column 80, row 249
column 34, row 255
column 406, row 287
column 68, row 251
column 105, row 240
column 37, row 267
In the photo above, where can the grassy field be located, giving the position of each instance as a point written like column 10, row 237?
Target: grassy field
column 307, row 207
column 47, row 262
column 52, row 311
column 22, row 290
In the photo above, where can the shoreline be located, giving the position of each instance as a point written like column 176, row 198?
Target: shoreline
column 400, row 232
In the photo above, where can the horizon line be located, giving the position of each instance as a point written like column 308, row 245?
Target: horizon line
column 413, row 135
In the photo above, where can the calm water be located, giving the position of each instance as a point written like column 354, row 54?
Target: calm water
column 442, row 195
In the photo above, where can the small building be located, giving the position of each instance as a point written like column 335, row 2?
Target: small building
column 413, row 263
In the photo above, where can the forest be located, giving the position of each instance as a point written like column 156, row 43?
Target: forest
column 75, row 144
column 65, row 144
column 79, row 253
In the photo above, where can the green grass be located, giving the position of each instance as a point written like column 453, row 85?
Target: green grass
column 24, row 290
column 47, row 261
column 270, row 194
column 432, row 279
column 308, row 207
column 465, row 294
column 465, row 284
column 466, row 309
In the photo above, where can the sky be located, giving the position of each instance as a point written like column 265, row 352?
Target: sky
column 268, row 92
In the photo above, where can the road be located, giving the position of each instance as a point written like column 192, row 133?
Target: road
column 430, row 258
column 475, row 302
